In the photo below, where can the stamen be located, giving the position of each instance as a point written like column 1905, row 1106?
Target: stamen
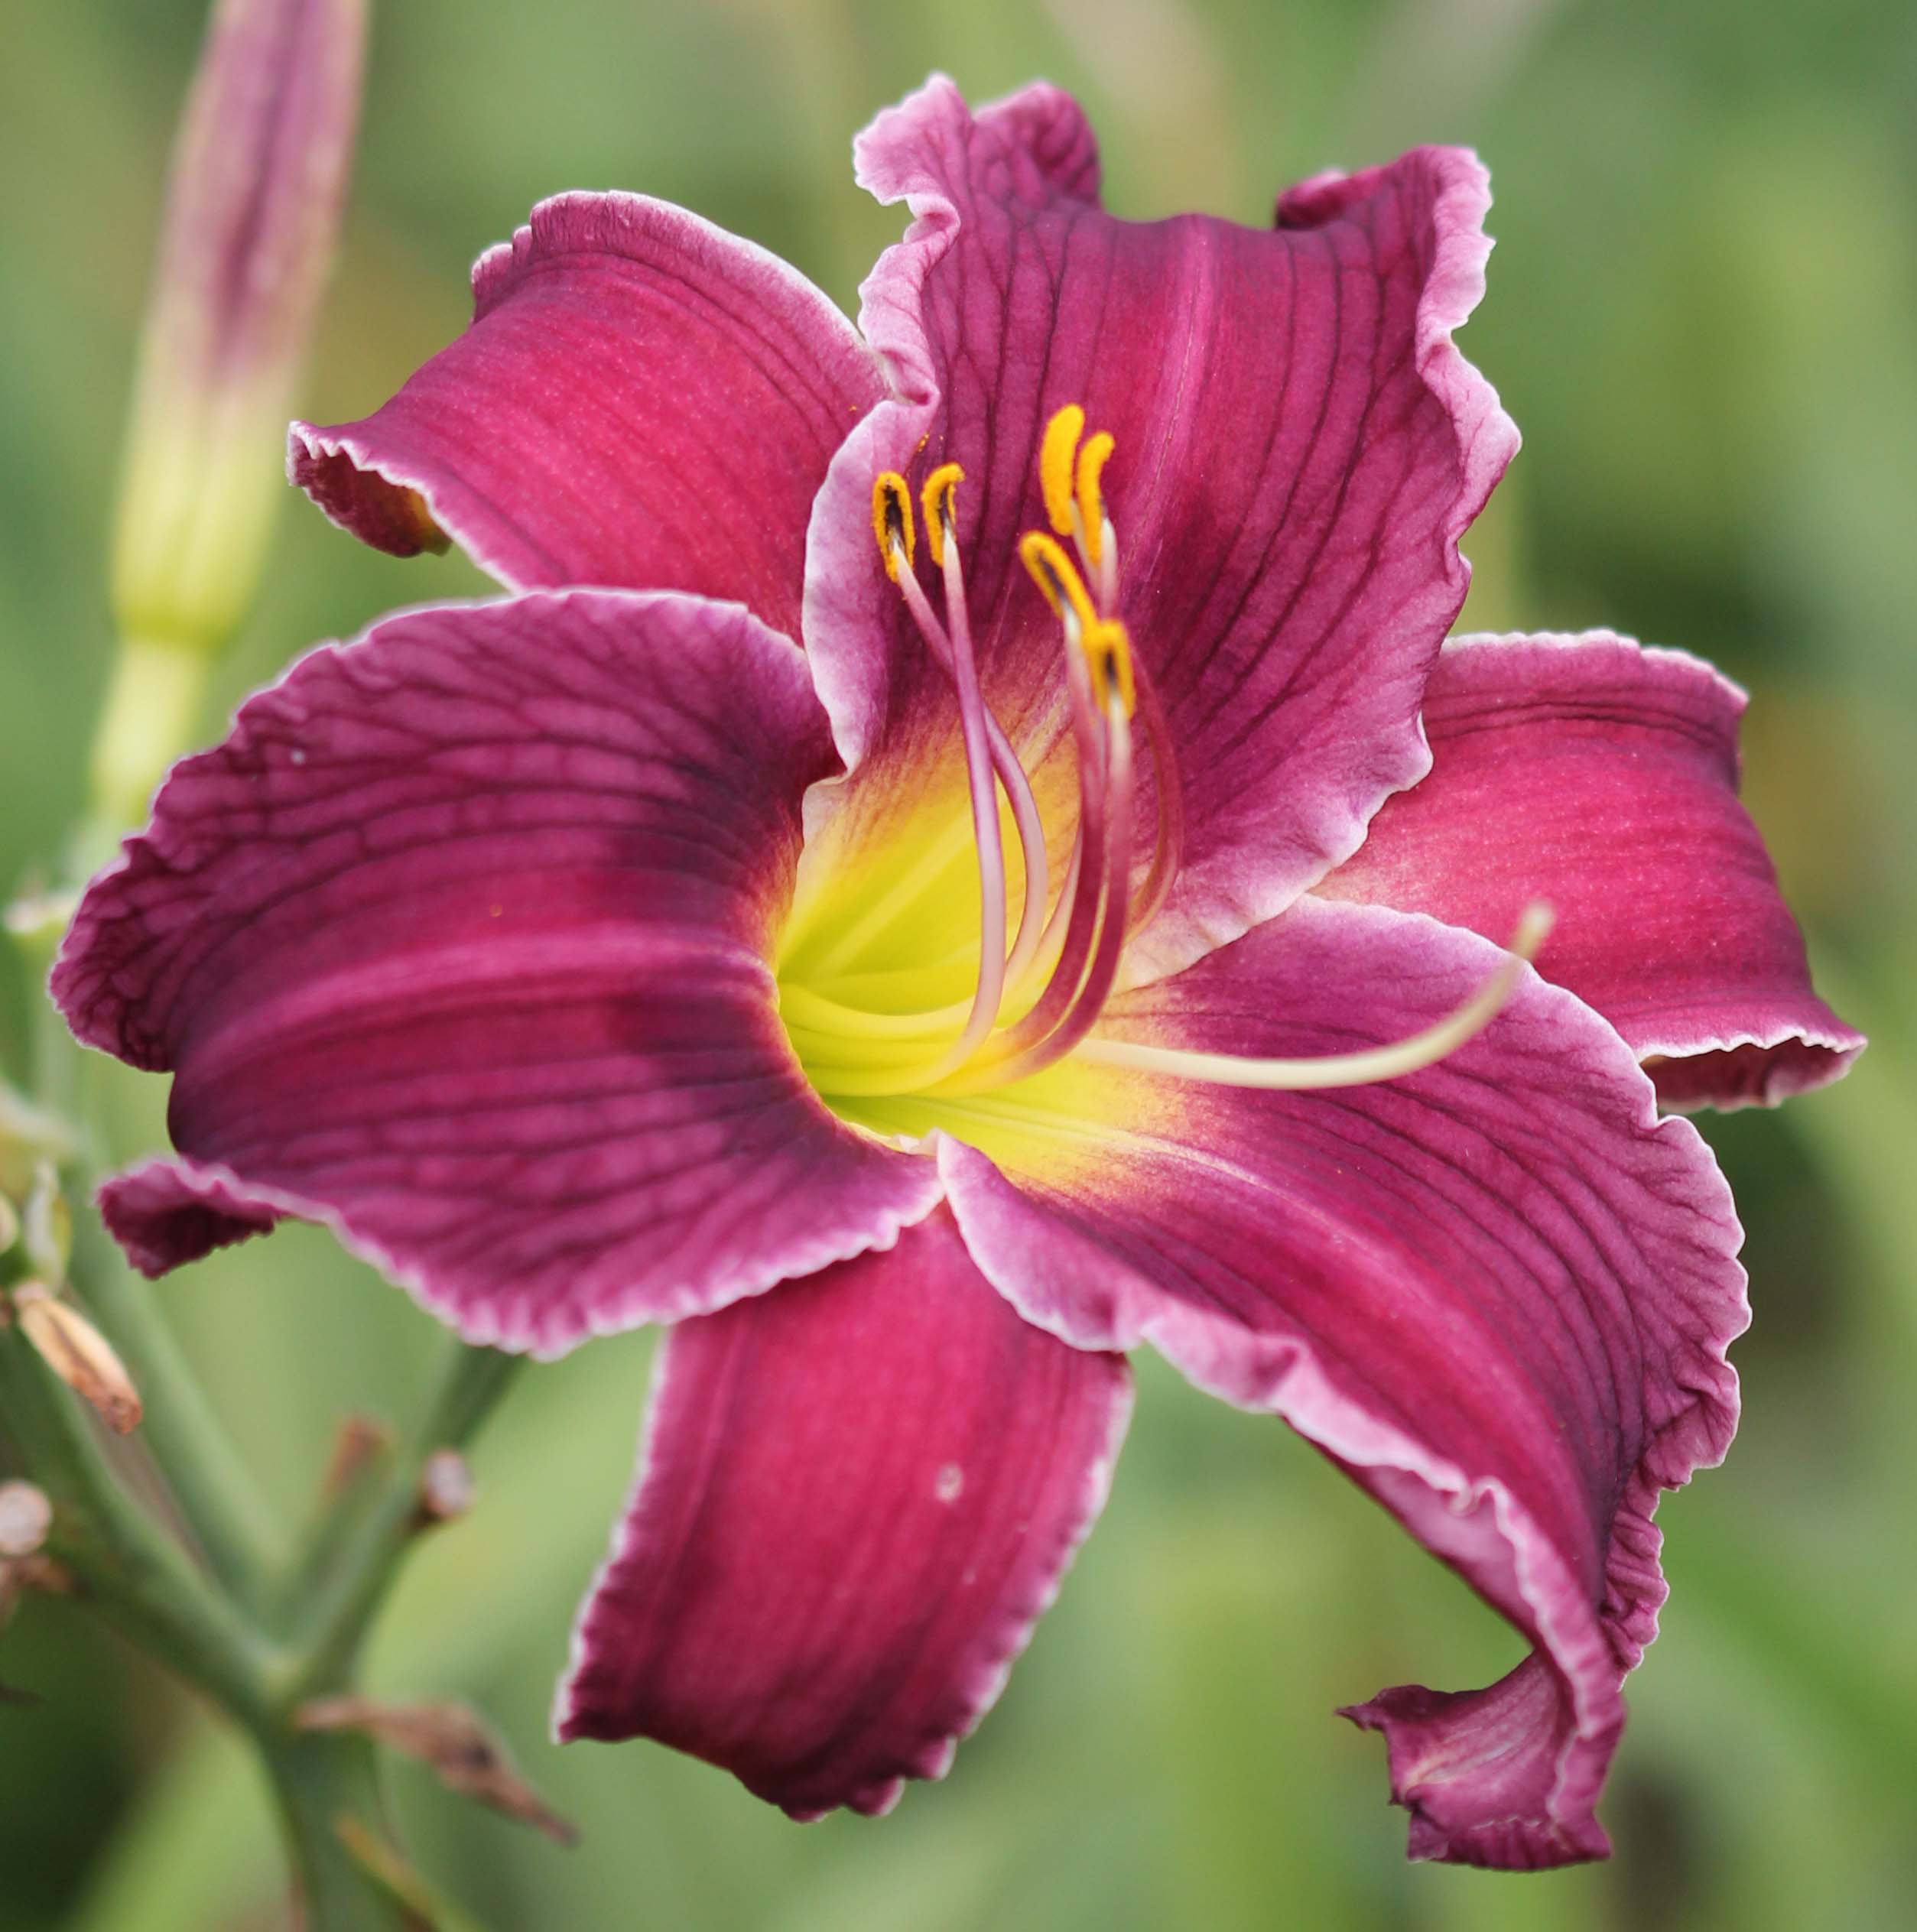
column 1107, row 569
column 1057, row 576
column 1086, row 879
column 985, row 834
column 1005, row 761
column 1032, row 1055
column 892, row 520
column 988, row 755
column 1055, row 455
column 1092, row 523
column 940, row 487
column 1107, row 646
column 937, row 496
column 1409, row 1055
column 1064, row 962
column 940, row 514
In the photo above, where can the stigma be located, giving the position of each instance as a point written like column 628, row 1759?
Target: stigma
column 1044, row 975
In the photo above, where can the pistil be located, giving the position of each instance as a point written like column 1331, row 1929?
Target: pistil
column 1464, row 1022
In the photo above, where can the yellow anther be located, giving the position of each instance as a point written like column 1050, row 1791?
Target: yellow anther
column 892, row 520
column 1091, row 498
column 1055, row 456
column 1108, row 652
column 1057, row 576
column 939, row 513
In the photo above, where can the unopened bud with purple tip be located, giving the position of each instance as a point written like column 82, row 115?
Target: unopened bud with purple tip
column 258, row 176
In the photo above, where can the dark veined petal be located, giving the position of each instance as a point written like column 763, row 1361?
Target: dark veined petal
column 1602, row 777
column 642, row 400
column 857, row 1497
column 1497, row 1293
column 458, row 944
column 1298, row 448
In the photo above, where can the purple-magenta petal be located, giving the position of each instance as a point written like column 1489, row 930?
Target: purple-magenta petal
column 165, row 1213
column 642, row 400
column 857, row 1495
column 1299, row 447
column 459, row 944
column 1474, row 1768
column 1602, row 777
column 1497, row 1293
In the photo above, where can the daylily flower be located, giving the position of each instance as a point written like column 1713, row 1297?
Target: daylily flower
column 931, row 922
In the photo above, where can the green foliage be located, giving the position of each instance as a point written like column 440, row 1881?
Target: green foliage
column 1700, row 314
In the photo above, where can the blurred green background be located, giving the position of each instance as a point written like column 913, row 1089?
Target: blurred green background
column 1701, row 315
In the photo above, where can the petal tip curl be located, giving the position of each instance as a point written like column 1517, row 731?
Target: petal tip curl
column 165, row 1213
column 384, row 501
column 1455, row 1795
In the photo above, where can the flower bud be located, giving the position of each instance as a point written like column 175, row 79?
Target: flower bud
column 446, row 1489
column 253, row 201
column 79, row 1354
column 25, row 1517
column 362, row 1443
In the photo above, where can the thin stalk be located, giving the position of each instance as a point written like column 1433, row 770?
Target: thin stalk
column 988, row 847
column 1090, row 863
column 467, row 1384
column 334, row 1526
column 221, row 1505
column 218, row 1499
column 319, row 1779
column 1089, row 999
column 130, row 1569
column 143, row 1582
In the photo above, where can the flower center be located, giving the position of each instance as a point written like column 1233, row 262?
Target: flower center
column 1039, row 987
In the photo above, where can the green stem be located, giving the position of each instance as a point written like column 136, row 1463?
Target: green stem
column 142, row 1580
column 209, row 1629
column 152, row 706
column 467, row 1384
column 137, row 1576
column 332, row 1531
column 221, row 1506
column 319, row 1778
